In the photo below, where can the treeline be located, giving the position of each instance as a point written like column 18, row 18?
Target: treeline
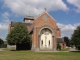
column 2, row 44
column 75, row 39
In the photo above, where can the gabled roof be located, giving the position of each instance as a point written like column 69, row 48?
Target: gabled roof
column 60, row 40
column 47, row 13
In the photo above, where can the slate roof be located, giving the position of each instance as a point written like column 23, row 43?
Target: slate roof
column 28, row 25
column 14, row 23
column 28, row 18
column 60, row 40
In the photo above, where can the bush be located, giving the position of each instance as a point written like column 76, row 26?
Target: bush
column 58, row 47
column 78, row 47
column 3, row 46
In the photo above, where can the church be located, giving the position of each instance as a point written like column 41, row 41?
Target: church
column 44, row 31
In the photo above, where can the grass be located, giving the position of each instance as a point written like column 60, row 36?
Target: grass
column 29, row 55
column 67, row 49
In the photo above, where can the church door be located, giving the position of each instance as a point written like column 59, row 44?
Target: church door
column 46, row 39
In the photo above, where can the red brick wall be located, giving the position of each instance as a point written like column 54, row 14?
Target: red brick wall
column 39, row 22
column 63, row 46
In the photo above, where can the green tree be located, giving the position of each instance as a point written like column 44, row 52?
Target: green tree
column 67, row 41
column 1, row 43
column 58, row 46
column 18, row 35
column 75, row 39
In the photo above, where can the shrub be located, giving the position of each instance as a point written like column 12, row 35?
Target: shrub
column 58, row 47
column 78, row 47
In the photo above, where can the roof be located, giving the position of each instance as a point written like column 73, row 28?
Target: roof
column 28, row 18
column 46, row 13
column 60, row 40
column 14, row 23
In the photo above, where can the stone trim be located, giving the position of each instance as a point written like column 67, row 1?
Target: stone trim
column 48, row 27
column 41, row 28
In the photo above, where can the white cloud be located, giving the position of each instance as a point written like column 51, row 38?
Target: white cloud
column 22, row 7
column 75, row 25
column 67, row 30
column 5, row 15
column 4, row 25
column 4, row 28
column 5, row 21
column 1, row 37
column 76, row 3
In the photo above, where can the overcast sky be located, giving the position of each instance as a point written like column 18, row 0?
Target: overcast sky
column 65, row 12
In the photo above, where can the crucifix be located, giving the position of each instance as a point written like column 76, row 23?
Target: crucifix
column 45, row 9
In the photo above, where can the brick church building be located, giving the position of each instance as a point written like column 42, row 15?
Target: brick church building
column 44, row 31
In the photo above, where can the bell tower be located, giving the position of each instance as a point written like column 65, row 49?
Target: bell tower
column 28, row 19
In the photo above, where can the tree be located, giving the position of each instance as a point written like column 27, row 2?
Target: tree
column 1, row 43
column 58, row 46
column 18, row 35
column 75, row 39
column 67, row 41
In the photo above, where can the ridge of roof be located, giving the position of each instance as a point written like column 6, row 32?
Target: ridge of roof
column 47, row 13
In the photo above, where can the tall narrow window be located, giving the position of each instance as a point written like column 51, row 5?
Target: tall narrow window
column 49, row 42
column 42, row 42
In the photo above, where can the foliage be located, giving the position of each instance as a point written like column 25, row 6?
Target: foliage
column 58, row 47
column 78, row 47
column 67, row 41
column 1, row 43
column 19, row 34
column 75, row 39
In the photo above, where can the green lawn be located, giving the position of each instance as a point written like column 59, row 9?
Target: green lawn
column 29, row 55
